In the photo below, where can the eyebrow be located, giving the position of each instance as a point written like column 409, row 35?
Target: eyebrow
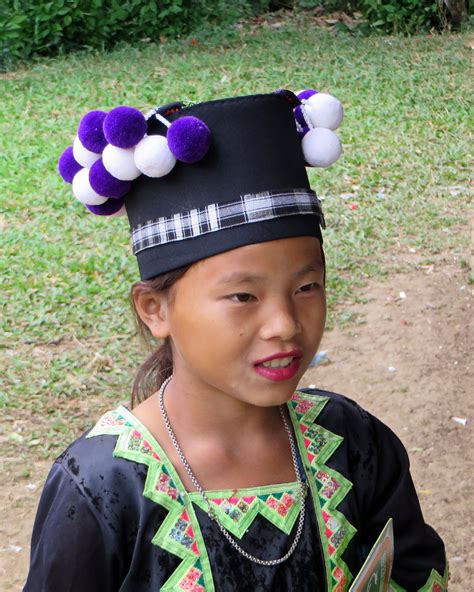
column 239, row 277
column 317, row 267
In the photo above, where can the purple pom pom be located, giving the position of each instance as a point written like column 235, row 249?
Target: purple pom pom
column 108, row 208
column 104, row 184
column 305, row 94
column 124, row 127
column 298, row 112
column 90, row 131
column 189, row 139
column 68, row 165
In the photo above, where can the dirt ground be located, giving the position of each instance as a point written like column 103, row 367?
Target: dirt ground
column 404, row 357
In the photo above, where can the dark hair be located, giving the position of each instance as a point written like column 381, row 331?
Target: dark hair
column 159, row 364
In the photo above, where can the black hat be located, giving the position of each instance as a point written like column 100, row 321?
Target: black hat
column 240, row 179
column 250, row 187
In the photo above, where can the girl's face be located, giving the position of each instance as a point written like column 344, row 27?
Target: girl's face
column 246, row 323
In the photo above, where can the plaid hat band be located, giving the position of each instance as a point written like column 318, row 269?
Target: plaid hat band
column 250, row 208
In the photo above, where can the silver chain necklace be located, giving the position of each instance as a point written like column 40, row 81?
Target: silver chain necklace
column 210, row 510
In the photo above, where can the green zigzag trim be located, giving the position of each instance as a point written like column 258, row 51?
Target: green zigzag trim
column 328, row 487
column 251, row 502
column 180, row 532
column 435, row 583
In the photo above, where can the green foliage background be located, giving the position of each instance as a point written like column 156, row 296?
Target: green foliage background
column 42, row 28
column 402, row 16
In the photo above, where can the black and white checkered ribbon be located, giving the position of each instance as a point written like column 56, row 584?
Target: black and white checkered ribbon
column 255, row 207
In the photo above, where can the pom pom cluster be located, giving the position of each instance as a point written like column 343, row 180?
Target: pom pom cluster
column 316, row 119
column 112, row 149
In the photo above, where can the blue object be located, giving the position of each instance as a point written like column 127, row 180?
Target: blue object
column 319, row 358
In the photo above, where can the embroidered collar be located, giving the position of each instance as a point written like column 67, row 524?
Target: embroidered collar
column 180, row 532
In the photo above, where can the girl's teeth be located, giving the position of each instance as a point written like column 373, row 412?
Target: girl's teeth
column 278, row 362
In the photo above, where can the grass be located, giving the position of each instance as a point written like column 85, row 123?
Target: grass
column 67, row 338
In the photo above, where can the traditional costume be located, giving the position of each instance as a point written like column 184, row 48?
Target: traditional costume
column 114, row 515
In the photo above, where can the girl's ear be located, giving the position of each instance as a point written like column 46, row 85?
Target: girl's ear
column 152, row 308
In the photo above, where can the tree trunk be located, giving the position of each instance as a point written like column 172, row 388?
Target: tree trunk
column 457, row 10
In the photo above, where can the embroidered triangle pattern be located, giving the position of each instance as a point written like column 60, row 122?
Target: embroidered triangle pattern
column 179, row 533
column 318, row 444
column 237, row 513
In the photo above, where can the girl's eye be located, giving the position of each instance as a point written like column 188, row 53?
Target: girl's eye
column 241, row 297
column 309, row 287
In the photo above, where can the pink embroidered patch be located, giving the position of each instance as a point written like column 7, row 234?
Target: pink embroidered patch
column 331, row 484
column 303, row 407
column 282, row 507
column 272, row 503
column 111, row 420
column 164, row 485
column 190, row 581
column 330, row 489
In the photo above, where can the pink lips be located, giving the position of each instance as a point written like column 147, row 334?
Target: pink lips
column 280, row 374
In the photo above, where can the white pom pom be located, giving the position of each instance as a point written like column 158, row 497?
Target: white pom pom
column 153, row 157
column 324, row 111
column 120, row 162
column 84, row 157
column 321, row 147
column 83, row 191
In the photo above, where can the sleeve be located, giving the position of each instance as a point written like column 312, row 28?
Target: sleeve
column 419, row 560
column 72, row 550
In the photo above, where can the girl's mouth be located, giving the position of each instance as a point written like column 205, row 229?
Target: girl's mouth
column 278, row 362
column 279, row 369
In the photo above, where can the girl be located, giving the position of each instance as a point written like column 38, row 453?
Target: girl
column 222, row 475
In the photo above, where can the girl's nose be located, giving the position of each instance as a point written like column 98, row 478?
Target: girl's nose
column 280, row 321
